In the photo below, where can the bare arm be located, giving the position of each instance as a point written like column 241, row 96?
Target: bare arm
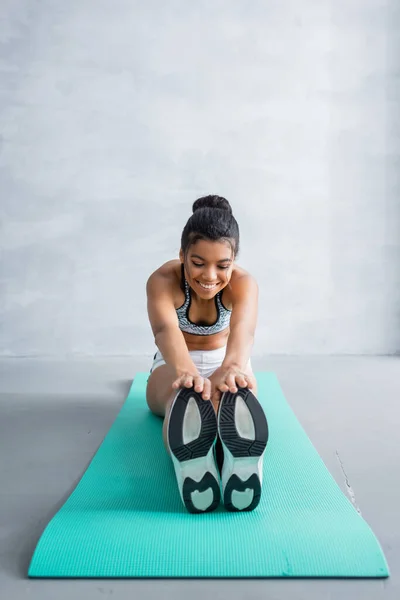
column 240, row 341
column 164, row 323
column 243, row 323
column 168, row 337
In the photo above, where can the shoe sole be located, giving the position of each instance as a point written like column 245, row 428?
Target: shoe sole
column 244, row 435
column 193, row 461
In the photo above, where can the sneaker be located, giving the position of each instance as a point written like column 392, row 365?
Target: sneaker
column 219, row 454
column 243, row 430
column 192, row 432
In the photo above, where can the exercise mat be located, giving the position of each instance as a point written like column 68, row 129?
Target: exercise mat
column 125, row 518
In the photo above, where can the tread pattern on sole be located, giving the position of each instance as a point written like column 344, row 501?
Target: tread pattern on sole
column 237, row 485
column 197, row 448
column 208, row 433
column 240, row 447
column 190, row 486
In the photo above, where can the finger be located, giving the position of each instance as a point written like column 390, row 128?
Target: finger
column 241, row 380
column 251, row 383
column 176, row 384
column 188, row 381
column 198, row 383
column 206, row 389
column 230, row 381
column 223, row 387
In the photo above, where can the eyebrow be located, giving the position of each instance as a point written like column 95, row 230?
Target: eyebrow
column 201, row 258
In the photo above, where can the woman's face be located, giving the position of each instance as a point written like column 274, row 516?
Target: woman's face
column 208, row 267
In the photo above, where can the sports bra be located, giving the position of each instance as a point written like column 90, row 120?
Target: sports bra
column 186, row 325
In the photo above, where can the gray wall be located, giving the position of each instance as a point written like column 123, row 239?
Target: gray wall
column 116, row 115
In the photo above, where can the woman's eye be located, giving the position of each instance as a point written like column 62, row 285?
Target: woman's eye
column 219, row 267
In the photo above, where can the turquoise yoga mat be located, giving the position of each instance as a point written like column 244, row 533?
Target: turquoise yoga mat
column 126, row 519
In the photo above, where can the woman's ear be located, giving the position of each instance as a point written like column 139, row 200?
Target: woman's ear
column 181, row 257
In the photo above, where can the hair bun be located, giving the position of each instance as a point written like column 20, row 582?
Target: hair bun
column 212, row 202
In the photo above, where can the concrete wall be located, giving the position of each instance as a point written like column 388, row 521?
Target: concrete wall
column 116, row 115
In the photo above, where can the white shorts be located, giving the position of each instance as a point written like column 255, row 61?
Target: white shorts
column 206, row 361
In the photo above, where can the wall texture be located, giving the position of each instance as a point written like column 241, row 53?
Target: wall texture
column 116, row 115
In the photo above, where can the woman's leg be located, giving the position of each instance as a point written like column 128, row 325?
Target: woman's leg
column 189, row 433
column 159, row 394
column 243, row 431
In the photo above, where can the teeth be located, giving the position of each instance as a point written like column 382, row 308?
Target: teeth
column 207, row 287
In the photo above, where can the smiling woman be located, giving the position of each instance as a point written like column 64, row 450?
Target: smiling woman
column 202, row 309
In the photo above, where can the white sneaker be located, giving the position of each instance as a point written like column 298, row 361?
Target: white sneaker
column 243, row 430
column 191, row 435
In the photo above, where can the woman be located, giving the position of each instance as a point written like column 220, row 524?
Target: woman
column 203, row 311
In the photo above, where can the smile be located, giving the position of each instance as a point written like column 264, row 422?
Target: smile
column 207, row 287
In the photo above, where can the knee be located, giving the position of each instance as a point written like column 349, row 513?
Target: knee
column 155, row 408
column 152, row 405
column 157, row 404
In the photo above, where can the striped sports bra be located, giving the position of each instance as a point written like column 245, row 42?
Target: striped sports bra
column 186, row 325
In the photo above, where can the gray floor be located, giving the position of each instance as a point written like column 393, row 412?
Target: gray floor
column 54, row 415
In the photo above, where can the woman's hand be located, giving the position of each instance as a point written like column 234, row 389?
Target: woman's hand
column 188, row 380
column 228, row 379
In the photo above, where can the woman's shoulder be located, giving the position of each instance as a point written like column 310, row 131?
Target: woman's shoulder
column 240, row 279
column 167, row 276
column 240, row 273
column 169, row 270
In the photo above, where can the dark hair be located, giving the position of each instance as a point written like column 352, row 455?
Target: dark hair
column 212, row 220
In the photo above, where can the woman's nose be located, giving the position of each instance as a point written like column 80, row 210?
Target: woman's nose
column 210, row 274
